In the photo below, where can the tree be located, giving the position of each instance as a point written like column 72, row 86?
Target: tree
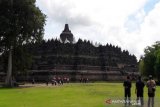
column 150, row 63
column 157, row 64
column 22, row 60
column 21, row 22
column 141, row 66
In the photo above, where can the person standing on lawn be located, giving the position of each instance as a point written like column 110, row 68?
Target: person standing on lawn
column 139, row 90
column 151, row 84
column 127, row 90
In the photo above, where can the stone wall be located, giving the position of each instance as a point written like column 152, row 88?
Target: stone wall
column 43, row 75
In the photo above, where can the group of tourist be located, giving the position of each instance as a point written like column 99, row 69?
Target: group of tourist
column 59, row 80
column 55, row 80
column 139, row 90
column 83, row 80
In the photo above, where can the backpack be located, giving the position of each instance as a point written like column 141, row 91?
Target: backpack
column 151, row 86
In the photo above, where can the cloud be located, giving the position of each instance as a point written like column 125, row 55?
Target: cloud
column 130, row 24
column 61, row 11
column 148, row 32
column 150, row 28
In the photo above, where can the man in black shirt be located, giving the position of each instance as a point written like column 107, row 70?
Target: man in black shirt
column 139, row 90
column 127, row 90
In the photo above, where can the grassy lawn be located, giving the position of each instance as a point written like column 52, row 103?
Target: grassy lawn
column 68, row 95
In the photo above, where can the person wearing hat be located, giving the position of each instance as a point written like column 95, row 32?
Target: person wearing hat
column 151, row 84
column 139, row 90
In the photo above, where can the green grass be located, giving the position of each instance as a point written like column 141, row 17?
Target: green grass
column 68, row 95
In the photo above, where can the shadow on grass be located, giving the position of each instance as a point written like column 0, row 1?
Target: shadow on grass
column 3, row 86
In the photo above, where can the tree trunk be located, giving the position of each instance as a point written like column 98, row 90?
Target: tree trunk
column 9, row 71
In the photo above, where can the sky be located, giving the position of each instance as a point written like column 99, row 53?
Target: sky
column 130, row 24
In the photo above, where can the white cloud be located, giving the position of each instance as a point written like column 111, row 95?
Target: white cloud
column 150, row 28
column 120, row 22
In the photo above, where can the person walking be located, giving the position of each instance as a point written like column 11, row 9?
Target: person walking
column 151, row 84
column 127, row 90
column 139, row 91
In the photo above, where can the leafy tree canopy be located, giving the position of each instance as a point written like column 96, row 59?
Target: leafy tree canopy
column 21, row 22
column 150, row 63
